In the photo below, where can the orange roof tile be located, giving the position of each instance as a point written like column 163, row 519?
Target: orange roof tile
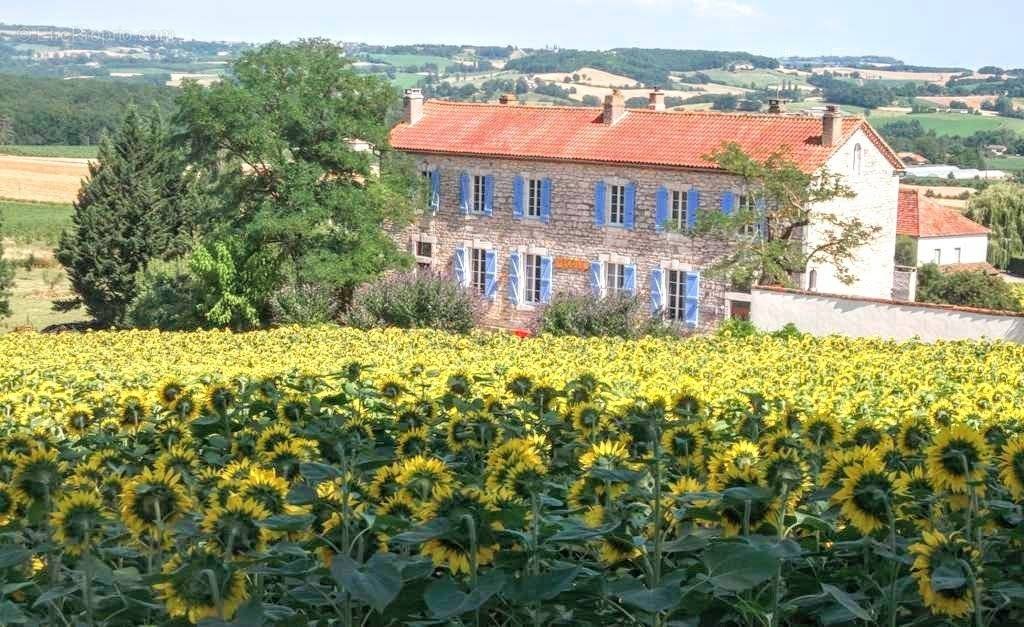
column 919, row 216
column 641, row 137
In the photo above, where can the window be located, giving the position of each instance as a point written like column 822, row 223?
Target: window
column 424, row 249
column 479, row 194
column 478, row 270
column 937, row 256
column 678, row 209
column 858, row 157
column 533, row 198
column 747, row 203
column 531, row 286
column 812, row 281
column 956, row 255
column 675, row 303
column 615, row 281
column 617, row 205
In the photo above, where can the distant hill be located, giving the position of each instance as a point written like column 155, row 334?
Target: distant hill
column 651, row 66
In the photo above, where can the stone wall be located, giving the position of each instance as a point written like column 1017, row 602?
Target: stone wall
column 571, row 236
column 573, row 239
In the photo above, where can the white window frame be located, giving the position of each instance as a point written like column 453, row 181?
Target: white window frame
column 537, row 253
column 423, row 238
column 615, row 278
column 478, row 193
column 680, row 269
column 746, row 201
column 957, row 254
column 531, row 279
column 858, row 159
column 476, row 270
column 678, row 221
column 937, row 256
column 615, row 191
column 532, row 197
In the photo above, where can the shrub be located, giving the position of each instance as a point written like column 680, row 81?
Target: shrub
column 906, row 251
column 583, row 315
column 735, row 328
column 304, row 305
column 414, row 300
column 966, row 289
column 165, row 299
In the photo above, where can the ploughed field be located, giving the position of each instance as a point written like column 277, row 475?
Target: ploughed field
column 41, row 179
column 389, row 477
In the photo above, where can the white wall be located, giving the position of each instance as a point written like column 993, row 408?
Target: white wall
column 973, row 249
column 876, row 186
column 821, row 314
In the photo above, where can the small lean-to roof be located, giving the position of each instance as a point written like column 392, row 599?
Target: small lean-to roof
column 919, row 216
column 641, row 137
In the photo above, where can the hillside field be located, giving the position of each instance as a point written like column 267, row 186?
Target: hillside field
column 65, row 152
column 949, row 123
column 41, row 179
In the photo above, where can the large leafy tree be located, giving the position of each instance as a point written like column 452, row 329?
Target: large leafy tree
column 135, row 206
column 286, row 138
column 767, row 237
column 1000, row 207
column 965, row 288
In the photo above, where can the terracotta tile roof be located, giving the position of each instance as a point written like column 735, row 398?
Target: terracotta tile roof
column 979, row 266
column 920, row 216
column 641, row 137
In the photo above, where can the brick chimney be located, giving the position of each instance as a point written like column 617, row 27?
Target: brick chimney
column 614, row 107
column 508, row 99
column 775, row 105
column 413, row 105
column 656, row 100
column 831, row 125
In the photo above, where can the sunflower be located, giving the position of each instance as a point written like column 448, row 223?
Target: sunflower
column 235, row 526
column 468, row 432
column 8, row 505
column 514, row 468
column 1011, row 467
column 78, row 419
column 736, row 513
column 173, row 431
column 459, row 384
column 413, row 442
column 611, row 548
column 154, row 500
column 519, row 383
column 917, row 488
column 425, row 478
column 685, row 444
column 77, row 521
column 786, row 472
column 391, row 389
column 200, row 584
column 589, row 420
column 915, row 435
column 607, row 455
column 685, row 404
column 953, row 555
column 292, row 408
column 272, row 436
column 958, row 456
column 286, row 457
column 168, row 392
column 832, row 473
column 180, row 458
column 821, row 431
column 131, row 412
column 676, row 501
column 739, row 455
column 384, row 483
column 217, row 398
column 268, row 489
column 588, row 491
column 447, row 553
column 38, row 476
column 868, row 495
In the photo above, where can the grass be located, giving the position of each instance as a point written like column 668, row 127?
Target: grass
column 760, row 78
column 1010, row 164
column 405, row 60
column 34, row 222
column 74, row 152
column 950, row 123
column 32, row 297
column 405, row 80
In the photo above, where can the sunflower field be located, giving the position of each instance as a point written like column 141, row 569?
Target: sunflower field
column 335, row 477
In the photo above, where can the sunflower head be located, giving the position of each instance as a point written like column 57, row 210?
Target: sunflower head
column 235, row 526
column 868, row 495
column 38, row 476
column 953, row 555
column 958, row 456
column 77, row 521
column 154, row 500
column 1011, row 467
column 196, row 581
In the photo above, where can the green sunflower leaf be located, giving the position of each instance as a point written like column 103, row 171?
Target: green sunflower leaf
column 847, row 602
column 737, row 567
column 375, row 583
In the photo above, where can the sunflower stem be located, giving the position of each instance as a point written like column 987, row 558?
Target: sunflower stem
column 211, row 578
column 87, row 590
column 535, row 548
column 471, row 527
column 656, row 569
column 777, row 583
column 893, row 606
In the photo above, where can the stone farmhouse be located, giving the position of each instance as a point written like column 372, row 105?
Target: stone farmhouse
column 942, row 235
column 530, row 201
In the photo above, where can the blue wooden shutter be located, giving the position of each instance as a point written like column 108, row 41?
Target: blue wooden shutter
column 597, row 278
column 629, row 280
column 465, row 195
column 692, row 298
column 488, row 195
column 630, row 213
column 692, row 207
column 514, row 277
column 599, row 199
column 661, row 208
column 435, row 190
column 490, row 273
column 657, row 291
column 460, row 262
column 728, row 203
column 546, row 266
column 517, row 197
column 545, row 200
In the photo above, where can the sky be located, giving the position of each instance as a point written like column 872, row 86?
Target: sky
column 936, row 32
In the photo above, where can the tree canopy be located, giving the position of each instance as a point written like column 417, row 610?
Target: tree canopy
column 1000, row 207
column 768, row 236
column 297, row 146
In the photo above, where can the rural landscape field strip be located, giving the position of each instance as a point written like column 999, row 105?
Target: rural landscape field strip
column 284, row 476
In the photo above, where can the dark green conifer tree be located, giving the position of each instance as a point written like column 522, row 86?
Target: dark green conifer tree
column 136, row 205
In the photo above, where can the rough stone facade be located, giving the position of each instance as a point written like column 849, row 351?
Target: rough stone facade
column 573, row 240
column 571, row 236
